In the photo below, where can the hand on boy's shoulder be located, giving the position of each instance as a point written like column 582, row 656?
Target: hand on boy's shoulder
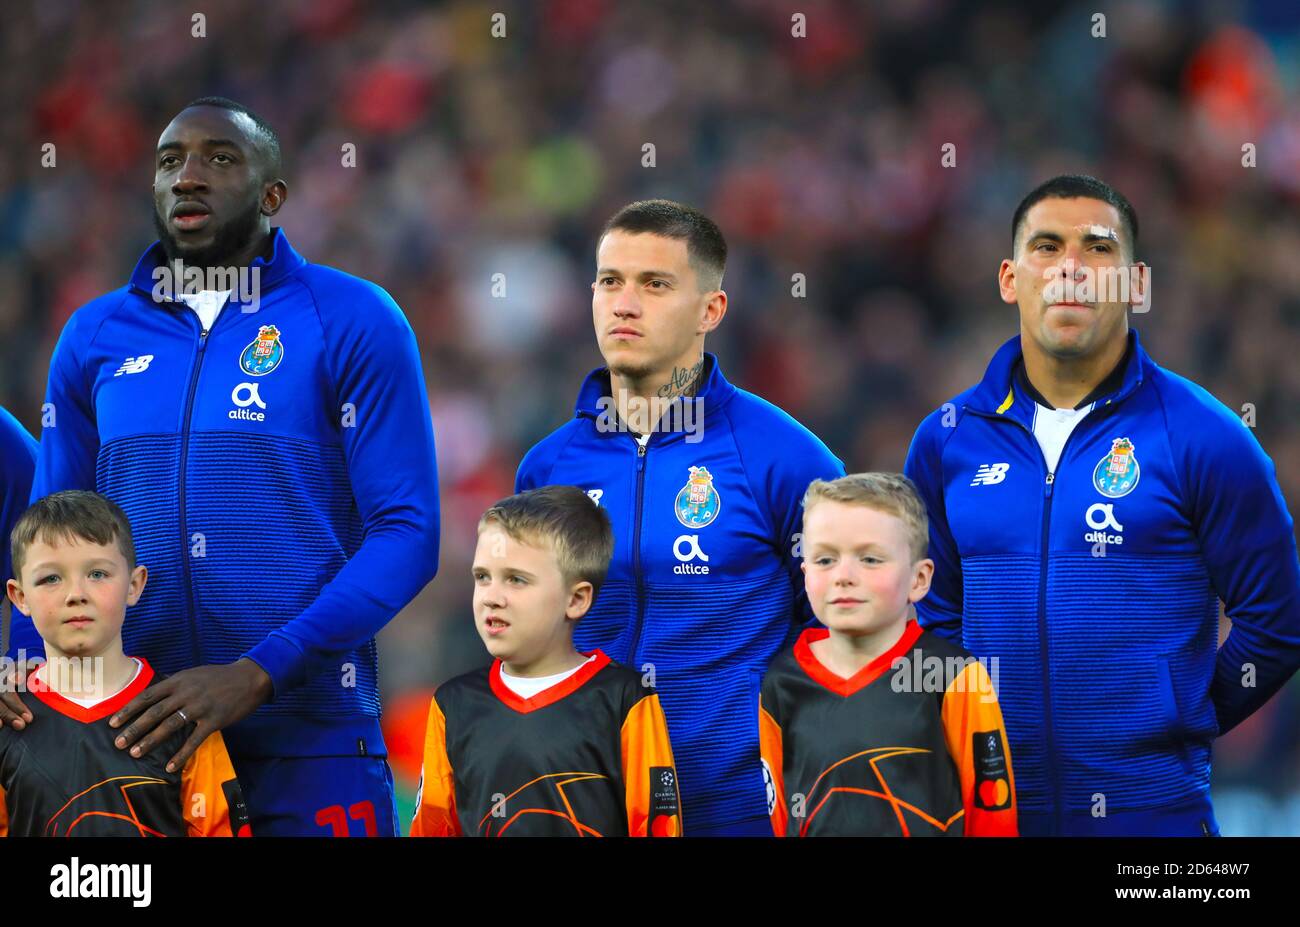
column 14, row 713
column 207, row 697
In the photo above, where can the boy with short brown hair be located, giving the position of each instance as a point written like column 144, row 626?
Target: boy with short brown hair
column 75, row 574
column 546, row 741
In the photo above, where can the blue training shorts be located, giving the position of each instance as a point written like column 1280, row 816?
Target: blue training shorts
column 319, row 796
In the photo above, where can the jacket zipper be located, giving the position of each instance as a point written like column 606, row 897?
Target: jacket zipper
column 185, row 447
column 1044, row 650
column 636, row 550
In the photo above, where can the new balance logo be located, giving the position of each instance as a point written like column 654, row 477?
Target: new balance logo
column 988, row 474
column 134, row 364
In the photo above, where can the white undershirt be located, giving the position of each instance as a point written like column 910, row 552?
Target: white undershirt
column 206, row 304
column 92, row 702
column 1053, row 426
column 528, row 686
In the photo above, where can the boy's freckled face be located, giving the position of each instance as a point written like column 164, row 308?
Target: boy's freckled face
column 76, row 592
column 519, row 597
column 858, row 568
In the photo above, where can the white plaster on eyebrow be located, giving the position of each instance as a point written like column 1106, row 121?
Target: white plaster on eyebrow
column 1101, row 231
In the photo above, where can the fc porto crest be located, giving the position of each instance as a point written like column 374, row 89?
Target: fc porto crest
column 698, row 502
column 1117, row 473
column 264, row 354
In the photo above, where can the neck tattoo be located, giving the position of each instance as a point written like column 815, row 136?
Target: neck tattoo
column 684, row 381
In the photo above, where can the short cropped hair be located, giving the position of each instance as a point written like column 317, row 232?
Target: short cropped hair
column 270, row 140
column 891, row 493
column 566, row 518
column 706, row 249
column 71, row 515
column 1074, row 186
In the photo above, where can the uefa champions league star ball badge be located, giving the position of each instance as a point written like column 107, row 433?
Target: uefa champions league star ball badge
column 1117, row 473
column 698, row 502
column 264, row 354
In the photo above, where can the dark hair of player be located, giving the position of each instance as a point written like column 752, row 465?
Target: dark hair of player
column 270, row 140
column 1074, row 186
column 705, row 247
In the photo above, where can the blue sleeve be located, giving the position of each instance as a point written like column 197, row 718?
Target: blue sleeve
column 17, row 466
column 535, row 468
column 69, row 446
column 17, row 469
column 388, row 444
column 941, row 610
column 780, row 467
column 1248, row 543
column 69, row 434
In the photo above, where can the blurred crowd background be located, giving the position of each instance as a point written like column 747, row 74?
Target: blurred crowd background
column 817, row 156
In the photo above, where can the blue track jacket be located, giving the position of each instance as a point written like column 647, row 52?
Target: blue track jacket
column 1097, row 588
column 705, row 585
column 280, row 479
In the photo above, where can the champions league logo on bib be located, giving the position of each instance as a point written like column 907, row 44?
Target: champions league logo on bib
column 698, row 502
column 1117, row 473
column 264, row 354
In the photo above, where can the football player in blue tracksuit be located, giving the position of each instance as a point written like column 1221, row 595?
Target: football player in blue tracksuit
column 1088, row 509
column 17, row 463
column 275, row 454
column 703, row 483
